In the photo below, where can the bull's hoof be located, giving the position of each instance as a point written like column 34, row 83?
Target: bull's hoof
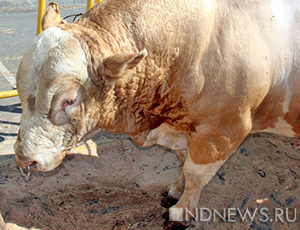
column 173, row 225
column 168, row 201
column 164, row 194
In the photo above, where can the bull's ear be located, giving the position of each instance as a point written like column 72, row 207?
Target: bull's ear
column 117, row 65
column 51, row 16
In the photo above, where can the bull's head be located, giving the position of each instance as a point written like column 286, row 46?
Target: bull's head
column 60, row 103
column 50, row 82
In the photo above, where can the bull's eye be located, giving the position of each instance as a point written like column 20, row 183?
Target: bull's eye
column 67, row 103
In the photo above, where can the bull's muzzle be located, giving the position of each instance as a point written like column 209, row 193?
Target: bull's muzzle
column 39, row 160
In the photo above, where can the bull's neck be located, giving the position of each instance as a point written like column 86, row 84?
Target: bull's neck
column 134, row 104
column 138, row 101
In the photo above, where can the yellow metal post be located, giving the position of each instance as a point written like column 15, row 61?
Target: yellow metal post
column 10, row 93
column 42, row 5
column 97, row 1
column 89, row 4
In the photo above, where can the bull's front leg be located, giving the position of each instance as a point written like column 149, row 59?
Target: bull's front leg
column 207, row 152
column 196, row 177
column 176, row 189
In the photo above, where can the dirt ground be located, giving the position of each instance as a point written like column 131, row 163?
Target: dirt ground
column 118, row 185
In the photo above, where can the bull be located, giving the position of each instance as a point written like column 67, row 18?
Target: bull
column 196, row 76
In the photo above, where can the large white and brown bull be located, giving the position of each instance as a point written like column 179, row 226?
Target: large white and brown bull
column 196, row 76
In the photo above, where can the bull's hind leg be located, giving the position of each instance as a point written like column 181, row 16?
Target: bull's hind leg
column 208, row 148
column 176, row 190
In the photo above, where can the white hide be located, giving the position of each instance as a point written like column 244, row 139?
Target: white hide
column 167, row 137
column 283, row 12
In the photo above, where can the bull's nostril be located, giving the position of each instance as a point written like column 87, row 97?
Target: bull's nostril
column 33, row 165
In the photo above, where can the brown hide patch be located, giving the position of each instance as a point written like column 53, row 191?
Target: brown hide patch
column 270, row 109
column 31, row 103
column 205, row 149
column 293, row 116
column 214, row 141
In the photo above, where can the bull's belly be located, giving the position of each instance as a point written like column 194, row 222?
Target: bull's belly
column 172, row 139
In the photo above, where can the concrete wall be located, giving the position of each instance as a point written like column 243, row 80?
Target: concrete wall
column 19, row 4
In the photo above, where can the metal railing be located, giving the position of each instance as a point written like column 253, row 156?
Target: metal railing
column 10, row 93
column 41, row 9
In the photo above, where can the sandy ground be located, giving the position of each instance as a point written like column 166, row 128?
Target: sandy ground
column 115, row 184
